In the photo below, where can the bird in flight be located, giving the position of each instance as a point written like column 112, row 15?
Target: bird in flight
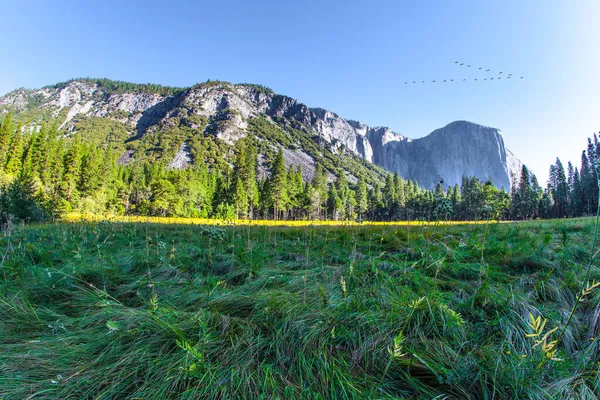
column 522, row 77
column 469, row 66
column 479, row 67
column 500, row 72
column 444, row 80
column 475, row 78
column 433, row 81
column 462, row 63
column 491, row 79
column 451, row 80
column 485, row 79
column 464, row 80
column 487, row 70
column 455, row 62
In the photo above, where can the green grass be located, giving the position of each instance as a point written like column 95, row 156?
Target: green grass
column 144, row 311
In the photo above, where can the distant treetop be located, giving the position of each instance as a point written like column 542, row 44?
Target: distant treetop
column 258, row 88
column 123, row 87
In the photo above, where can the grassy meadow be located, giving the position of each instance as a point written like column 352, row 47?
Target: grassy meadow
column 149, row 310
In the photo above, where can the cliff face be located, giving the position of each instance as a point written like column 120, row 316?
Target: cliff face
column 445, row 155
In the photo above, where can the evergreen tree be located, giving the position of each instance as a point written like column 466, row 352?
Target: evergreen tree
column 334, row 203
column 525, row 199
column 547, row 204
column 400, row 191
column 455, row 200
column 345, row 196
column 90, row 178
column 536, row 196
column 389, row 197
column 295, row 190
column 375, row 202
column 472, row 198
column 571, row 200
column 7, row 130
column 319, row 184
column 439, row 191
column 587, row 185
column 222, row 193
column 245, row 169
column 14, row 157
column 36, row 152
column 362, row 202
column 20, row 201
column 560, row 192
column 70, row 177
column 306, row 202
column 592, row 181
column 277, row 186
column 240, row 200
column 163, row 198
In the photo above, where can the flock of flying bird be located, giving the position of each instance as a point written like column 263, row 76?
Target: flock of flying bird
column 460, row 64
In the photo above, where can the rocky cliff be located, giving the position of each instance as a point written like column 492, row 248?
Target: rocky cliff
column 225, row 111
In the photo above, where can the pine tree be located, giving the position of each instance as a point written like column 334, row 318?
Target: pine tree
column 345, row 196
column 375, row 202
column 277, row 186
column 389, row 197
column 7, row 130
column 90, row 177
column 222, row 194
column 295, row 189
column 20, row 201
column 319, row 184
column 571, row 201
column 334, row 203
column 362, row 202
column 525, row 200
column 14, row 158
column 400, row 192
column 245, row 169
column 306, row 203
column 70, row 178
column 52, row 174
column 472, row 198
column 163, row 197
column 560, row 190
column 536, row 196
column 547, row 204
column 439, row 191
column 240, row 200
column 455, row 200
column 576, row 195
column 31, row 148
column 587, row 185
column 592, row 184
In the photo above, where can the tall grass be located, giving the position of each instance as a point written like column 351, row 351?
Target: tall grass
column 114, row 310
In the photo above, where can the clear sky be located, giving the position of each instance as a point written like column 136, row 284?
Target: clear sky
column 351, row 57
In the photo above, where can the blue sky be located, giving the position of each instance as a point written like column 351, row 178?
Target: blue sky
column 351, row 57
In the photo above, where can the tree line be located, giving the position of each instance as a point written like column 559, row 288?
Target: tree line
column 574, row 192
column 54, row 174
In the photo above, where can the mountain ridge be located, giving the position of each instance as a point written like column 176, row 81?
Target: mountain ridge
column 229, row 111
